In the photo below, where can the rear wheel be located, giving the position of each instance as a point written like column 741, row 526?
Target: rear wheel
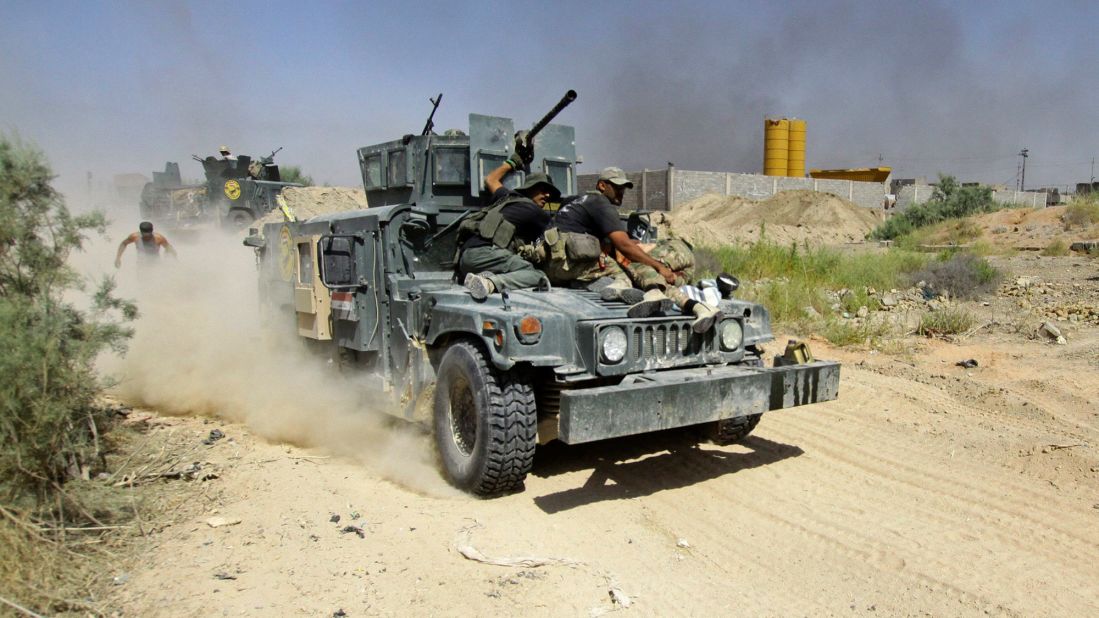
column 485, row 422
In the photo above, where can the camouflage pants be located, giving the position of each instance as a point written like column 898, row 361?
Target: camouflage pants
column 562, row 272
column 676, row 254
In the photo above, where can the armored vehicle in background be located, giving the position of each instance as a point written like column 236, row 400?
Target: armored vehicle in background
column 239, row 192
column 170, row 203
column 375, row 290
column 236, row 192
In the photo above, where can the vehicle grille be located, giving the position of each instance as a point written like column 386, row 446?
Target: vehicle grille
column 663, row 341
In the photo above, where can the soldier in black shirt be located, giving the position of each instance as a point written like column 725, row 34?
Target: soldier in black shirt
column 488, row 258
column 596, row 214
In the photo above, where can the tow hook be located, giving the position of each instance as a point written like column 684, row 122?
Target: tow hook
column 797, row 353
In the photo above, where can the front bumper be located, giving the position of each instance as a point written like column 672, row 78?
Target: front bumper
column 668, row 399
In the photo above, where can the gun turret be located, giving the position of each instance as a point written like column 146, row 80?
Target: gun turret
column 524, row 140
column 271, row 157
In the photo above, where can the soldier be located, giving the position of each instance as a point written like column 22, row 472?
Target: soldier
column 148, row 242
column 225, row 154
column 594, row 215
column 489, row 242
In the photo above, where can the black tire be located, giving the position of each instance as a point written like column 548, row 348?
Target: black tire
column 732, row 430
column 486, row 422
column 240, row 219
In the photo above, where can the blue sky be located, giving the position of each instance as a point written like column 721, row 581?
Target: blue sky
column 116, row 87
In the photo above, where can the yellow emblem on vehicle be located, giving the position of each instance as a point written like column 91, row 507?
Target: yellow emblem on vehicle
column 286, row 254
column 232, row 189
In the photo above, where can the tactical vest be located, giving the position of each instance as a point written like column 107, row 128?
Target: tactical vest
column 490, row 224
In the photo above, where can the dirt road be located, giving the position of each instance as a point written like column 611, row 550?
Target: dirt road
column 926, row 489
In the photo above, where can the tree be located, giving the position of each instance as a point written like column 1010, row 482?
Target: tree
column 293, row 173
column 48, row 384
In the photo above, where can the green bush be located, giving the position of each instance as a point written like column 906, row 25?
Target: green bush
column 950, row 201
column 293, row 173
column 48, row 386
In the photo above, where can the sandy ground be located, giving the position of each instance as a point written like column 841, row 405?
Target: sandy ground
column 926, row 489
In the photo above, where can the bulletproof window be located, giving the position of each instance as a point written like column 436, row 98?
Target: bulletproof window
column 397, row 174
column 372, row 171
column 305, row 264
column 338, row 261
column 489, row 162
column 560, row 174
column 451, row 166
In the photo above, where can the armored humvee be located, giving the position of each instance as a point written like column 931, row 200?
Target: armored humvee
column 376, row 290
column 238, row 192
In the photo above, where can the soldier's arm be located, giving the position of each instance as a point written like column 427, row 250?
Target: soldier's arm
column 132, row 238
column 632, row 250
column 163, row 242
column 494, row 180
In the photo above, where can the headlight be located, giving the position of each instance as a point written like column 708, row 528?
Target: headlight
column 612, row 344
column 732, row 335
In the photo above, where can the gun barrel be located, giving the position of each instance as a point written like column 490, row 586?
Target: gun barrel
column 569, row 97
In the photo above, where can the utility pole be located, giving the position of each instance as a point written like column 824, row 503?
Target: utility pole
column 1022, row 179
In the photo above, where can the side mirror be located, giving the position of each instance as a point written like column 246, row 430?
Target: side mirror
column 256, row 241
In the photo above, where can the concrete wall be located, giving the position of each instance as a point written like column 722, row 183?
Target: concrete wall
column 918, row 194
column 651, row 187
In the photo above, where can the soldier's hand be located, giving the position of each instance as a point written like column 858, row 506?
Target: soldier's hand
column 667, row 273
column 523, row 154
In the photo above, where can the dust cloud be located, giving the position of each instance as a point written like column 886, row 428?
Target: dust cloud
column 199, row 348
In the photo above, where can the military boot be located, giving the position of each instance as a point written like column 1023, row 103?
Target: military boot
column 705, row 317
column 651, row 302
column 621, row 291
column 479, row 286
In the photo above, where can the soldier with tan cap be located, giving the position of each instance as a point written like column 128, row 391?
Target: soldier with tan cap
column 226, row 155
column 574, row 254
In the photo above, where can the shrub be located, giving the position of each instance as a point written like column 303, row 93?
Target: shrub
column 1055, row 248
column 48, row 414
column 950, row 201
column 293, row 173
column 1082, row 212
column 945, row 322
column 863, row 332
column 961, row 275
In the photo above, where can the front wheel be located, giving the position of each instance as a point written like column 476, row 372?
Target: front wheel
column 485, row 422
column 732, row 430
column 240, row 218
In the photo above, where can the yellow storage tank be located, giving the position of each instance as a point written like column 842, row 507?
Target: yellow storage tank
column 795, row 164
column 776, row 146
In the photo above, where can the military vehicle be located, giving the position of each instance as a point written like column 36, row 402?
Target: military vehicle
column 235, row 193
column 375, row 290
column 239, row 192
column 170, row 203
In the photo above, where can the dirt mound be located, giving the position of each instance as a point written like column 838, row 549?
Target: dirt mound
column 308, row 202
column 1031, row 228
column 788, row 217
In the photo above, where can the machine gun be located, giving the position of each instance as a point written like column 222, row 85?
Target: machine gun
column 271, row 157
column 524, row 140
column 430, row 124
